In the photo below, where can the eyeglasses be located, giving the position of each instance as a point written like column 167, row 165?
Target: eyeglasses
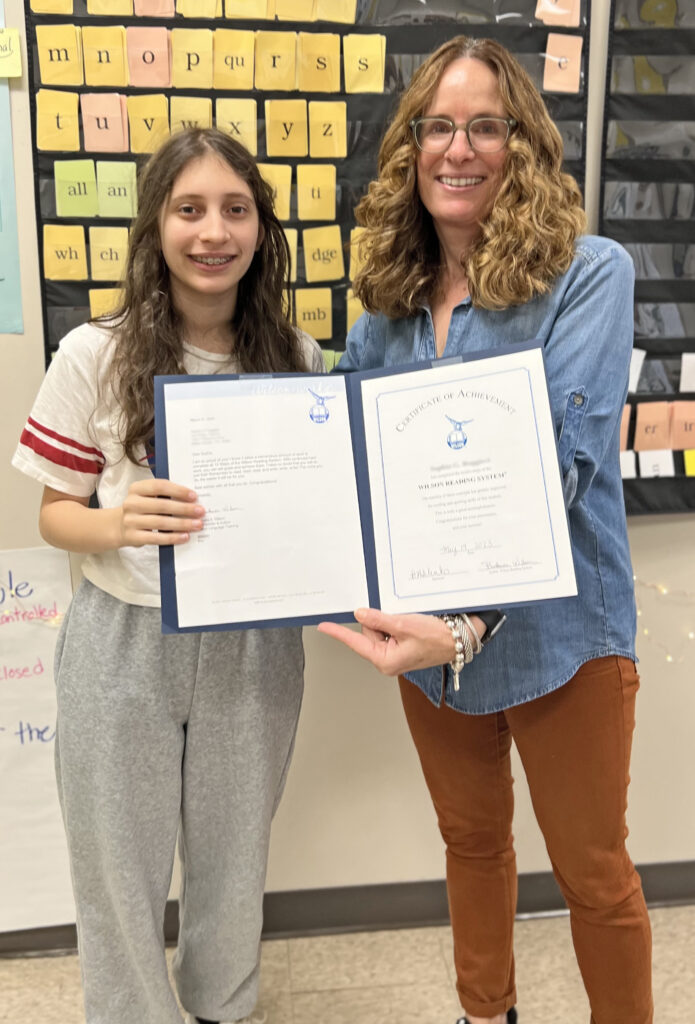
column 484, row 134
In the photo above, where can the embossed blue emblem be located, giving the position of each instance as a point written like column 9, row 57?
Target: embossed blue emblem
column 319, row 412
column 456, row 438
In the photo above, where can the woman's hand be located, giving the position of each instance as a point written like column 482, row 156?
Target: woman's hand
column 158, row 511
column 398, row 643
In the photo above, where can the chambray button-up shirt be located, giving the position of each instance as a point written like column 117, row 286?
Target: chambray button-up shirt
column 585, row 324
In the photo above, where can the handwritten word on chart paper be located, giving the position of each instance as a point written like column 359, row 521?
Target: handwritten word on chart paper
column 35, row 592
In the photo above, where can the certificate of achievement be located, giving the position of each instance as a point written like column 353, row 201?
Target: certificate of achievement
column 426, row 488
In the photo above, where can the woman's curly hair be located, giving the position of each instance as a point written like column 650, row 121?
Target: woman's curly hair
column 147, row 327
column 525, row 241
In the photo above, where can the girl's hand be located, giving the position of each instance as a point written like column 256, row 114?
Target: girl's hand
column 398, row 643
column 158, row 512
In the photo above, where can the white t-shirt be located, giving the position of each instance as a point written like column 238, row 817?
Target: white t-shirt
column 71, row 443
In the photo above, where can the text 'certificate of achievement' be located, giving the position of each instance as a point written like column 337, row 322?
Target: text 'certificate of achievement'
column 466, row 498
column 425, row 488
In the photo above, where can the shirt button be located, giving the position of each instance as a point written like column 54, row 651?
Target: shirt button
column 578, row 399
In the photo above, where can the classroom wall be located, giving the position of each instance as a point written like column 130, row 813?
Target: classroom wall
column 355, row 810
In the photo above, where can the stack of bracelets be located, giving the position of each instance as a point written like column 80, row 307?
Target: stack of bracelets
column 460, row 625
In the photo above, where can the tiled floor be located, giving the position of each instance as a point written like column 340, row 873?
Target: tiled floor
column 395, row 977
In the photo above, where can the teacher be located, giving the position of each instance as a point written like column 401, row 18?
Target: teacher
column 473, row 240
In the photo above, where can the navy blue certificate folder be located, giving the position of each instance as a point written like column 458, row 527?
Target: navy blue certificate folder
column 167, row 569
column 442, row 595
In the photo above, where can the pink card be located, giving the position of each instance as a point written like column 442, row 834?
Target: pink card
column 682, row 425
column 563, row 63
column 148, row 56
column 155, row 8
column 653, row 426
column 625, row 426
column 559, row 12
column 104, row 122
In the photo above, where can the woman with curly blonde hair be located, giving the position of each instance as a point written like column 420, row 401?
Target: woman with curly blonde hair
column 473, row 240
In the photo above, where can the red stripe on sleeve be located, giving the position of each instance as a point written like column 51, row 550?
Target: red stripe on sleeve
column 58, row 456
column 66, row 440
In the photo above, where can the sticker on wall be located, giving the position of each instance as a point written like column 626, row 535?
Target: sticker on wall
column 11, row 321
column 10, row 53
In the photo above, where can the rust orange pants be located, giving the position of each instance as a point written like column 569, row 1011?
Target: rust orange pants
column 574, row 744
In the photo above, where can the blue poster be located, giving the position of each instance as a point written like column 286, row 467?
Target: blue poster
column 11, row 321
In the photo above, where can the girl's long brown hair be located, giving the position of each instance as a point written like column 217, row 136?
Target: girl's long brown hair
column 148, row 330
column 526, row 240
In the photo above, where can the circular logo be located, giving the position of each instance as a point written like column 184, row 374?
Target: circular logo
column 456, row 439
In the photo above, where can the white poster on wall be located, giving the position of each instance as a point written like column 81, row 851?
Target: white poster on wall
column 35, row 888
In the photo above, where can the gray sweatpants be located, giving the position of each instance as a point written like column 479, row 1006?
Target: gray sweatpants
column 155, row 732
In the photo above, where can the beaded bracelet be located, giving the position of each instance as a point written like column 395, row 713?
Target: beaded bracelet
column 462, row 644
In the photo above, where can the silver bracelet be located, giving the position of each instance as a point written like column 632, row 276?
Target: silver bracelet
column 478, row 643
column 465, row 639
column 462, row 643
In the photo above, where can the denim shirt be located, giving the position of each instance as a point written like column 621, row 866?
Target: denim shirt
column 585, row 324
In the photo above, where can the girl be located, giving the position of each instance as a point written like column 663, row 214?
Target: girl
column 159, row 732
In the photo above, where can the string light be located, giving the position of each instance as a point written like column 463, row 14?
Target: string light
column 671, row 656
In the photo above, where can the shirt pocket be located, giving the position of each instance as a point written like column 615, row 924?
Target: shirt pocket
column 575, row 408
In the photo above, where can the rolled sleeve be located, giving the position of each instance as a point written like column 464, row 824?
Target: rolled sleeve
column 588, row 360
